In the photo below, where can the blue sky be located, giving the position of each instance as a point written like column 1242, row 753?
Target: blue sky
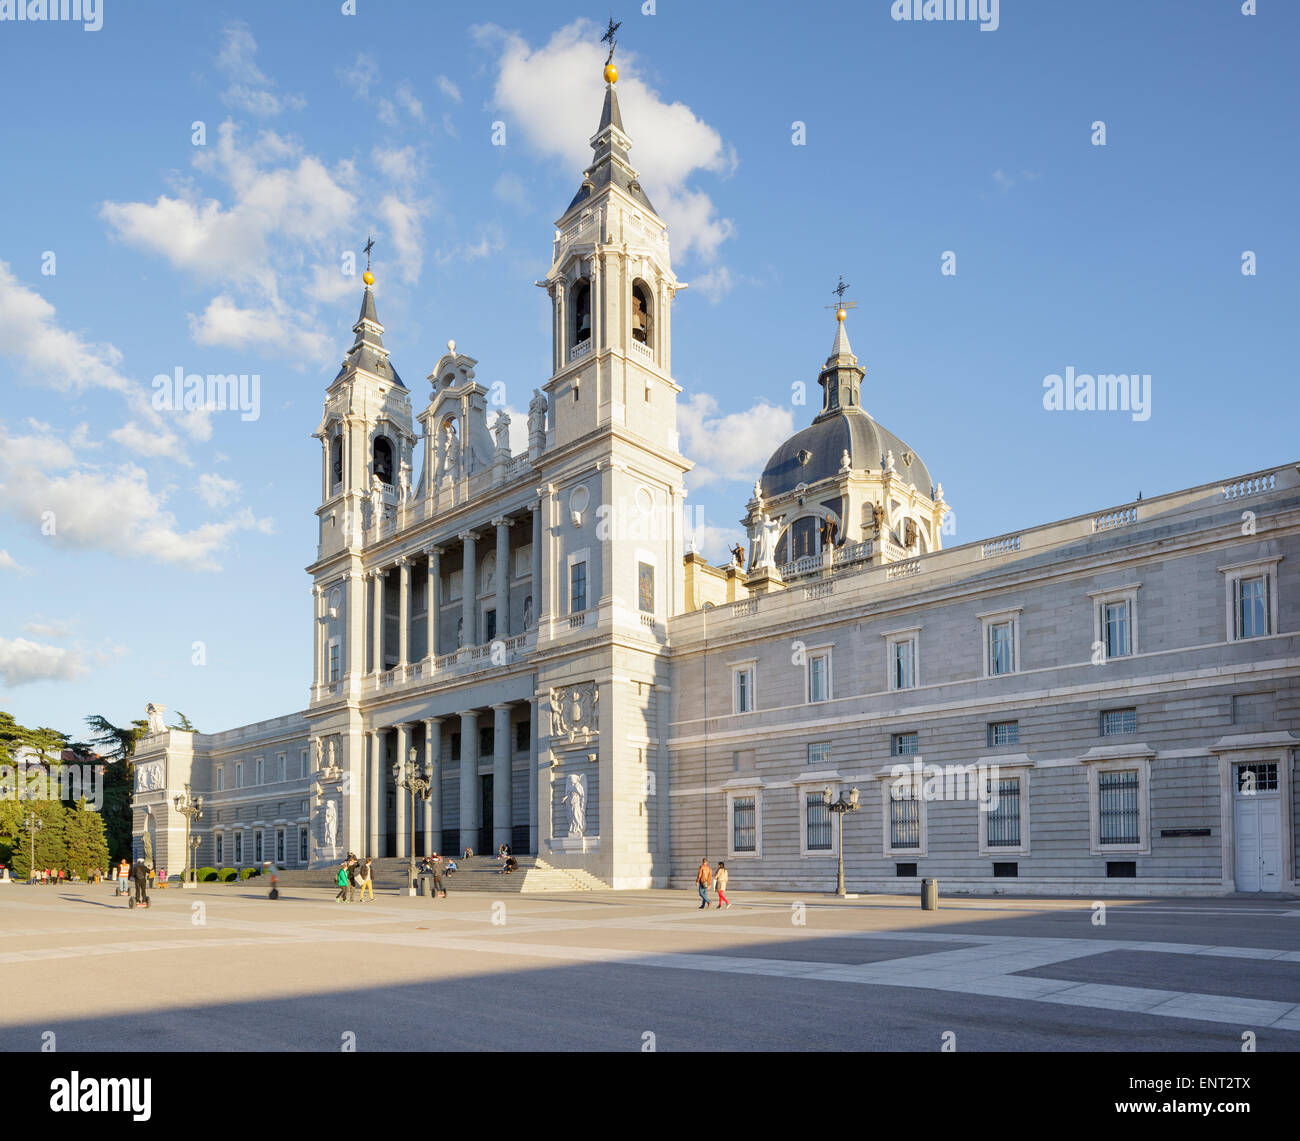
column 322, row 127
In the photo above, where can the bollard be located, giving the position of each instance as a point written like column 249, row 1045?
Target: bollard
column 423, row 885
column 929, row 895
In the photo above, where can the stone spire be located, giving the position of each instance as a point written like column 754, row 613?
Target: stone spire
column 367, row 352
column 610, row 165
column 841, row 377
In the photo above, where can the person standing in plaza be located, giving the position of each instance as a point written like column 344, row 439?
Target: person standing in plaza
column 140, row 873
column 367, row 881
column 703, row 878
column 721, row 880
column 438, row 868
column 342, row 880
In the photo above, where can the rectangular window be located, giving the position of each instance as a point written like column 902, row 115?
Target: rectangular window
column 257, row 847
column 646, row 587
column 1004, row 733
column 1117, row 794
column 743, row 833
column 455, row 746
column 1002, row 648
column 261, row 770
column 1252, row 606
column 743, row 691
column 905, row 744
column 281, row 767
column 239, row 848
column 1257, row 778
column 817, row 822
column 335, row 662
column 1121, row 869
column 902, row 665
column 239, row 774
column 303, row 855
column 819, row 677
column 1115, row 722
column 577, row 588
column 523, row 736
column 220, row 842
column 490, row 625
column 1004, row 820
column 279, row 846
column 819, row 753
column 904, row 820
column 487, row 741
column 221, row 778
column 1115, row 625
column 302, row 762
column 905, row 871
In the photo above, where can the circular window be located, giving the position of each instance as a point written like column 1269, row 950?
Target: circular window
column 645, row 500
column 579, row 499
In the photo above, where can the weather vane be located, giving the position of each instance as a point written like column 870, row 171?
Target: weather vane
column 841, row 305
column 608, row 38
column 370, row 245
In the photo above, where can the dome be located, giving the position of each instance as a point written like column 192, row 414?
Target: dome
column 816, row 452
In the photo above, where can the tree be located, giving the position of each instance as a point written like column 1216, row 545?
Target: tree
column 86, row 844
column 118, row 745
column 183, row 724
column 49, row 743
column 51, row 837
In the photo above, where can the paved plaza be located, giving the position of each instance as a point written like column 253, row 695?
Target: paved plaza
column 224, row 968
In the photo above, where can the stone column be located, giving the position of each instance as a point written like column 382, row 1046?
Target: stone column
column 375, row 787
column 502, row 800
column 432, row 601
column 318, row 673
column 354, row 647
column 536, row 586
column 403, row 616
column 325, row 455
column 535, row 713
column 470, row 809
column 402, row 799
column 433, row 769
column 503, row 576
column 468, row 590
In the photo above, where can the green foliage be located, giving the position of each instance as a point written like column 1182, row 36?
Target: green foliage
column 228, row 875
column 85, row 843
column 50, row 838
column 248, row 873
column 118, row 746
column 183, row 723
column 206, row 875
column 50, row 743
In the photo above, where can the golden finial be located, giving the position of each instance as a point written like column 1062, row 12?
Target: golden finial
column 611, row 73
column 368, row 277
column 841, row 306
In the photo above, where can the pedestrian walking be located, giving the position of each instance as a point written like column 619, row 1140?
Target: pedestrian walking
column 140, row 873
column 439, row 869
column 354, row 880
column 703, row 880
column 721, row 881
column 342, row 880
column 367, row 881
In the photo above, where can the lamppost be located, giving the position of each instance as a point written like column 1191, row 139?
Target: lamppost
column 406, row 775
column 839, row 808
column 192, row 809
column 33, row 824
column 194, row 857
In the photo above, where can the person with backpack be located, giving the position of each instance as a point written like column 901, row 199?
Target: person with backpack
column 721, row 880
column 703, row 880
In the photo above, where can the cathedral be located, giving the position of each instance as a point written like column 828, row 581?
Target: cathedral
column 526, row 649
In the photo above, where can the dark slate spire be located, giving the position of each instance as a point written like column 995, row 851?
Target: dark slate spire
column 367, row 351
column 611, row 165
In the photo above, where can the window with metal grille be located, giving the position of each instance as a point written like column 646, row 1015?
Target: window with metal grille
column 819, row 753
column 334, row 661
column 904, row 821
column 905, row 744
column 1115, row 722
column 279, row 846
column 1121, row 869
column 818, row 823
column 1009, row 870
column 1115, row 629
column 1004, row 733
column 1252, row 606
column 904, row 870
column 577, row 588
column 1002, row 648
column 1004, row 820
column 257, row 847
column 302, row 846
column 221, row 848
column 743, row 833
column 1257, row 778
column 239, row 847
column 1118, row 806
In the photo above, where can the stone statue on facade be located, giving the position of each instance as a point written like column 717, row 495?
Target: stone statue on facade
column 889, row 461
column 331, row 825
column 501, row 430
column 317, row 753
column 576, row 799
column 376, row 501
column 766, row 531
column 878, row 518
column 333, row 754
column 404, row 481
column 528, row 612
column 537, row 414
column 155, row 714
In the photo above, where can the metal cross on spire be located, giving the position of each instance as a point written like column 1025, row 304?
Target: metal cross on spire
column 839, row 291
column 608, row 38
column 370, row 245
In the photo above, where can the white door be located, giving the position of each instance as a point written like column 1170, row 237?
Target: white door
column 1258, row 824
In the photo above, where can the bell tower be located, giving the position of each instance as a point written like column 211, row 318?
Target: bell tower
column 612, row 287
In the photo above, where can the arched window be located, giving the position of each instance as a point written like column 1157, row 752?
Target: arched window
column 580, row 307
column 642, row 313
column 336, row 459
column 383, row 459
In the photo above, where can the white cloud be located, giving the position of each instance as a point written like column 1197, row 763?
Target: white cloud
column 405, row 96
column 449, row 89
column 274, row 326
column 513, row 191
column 47, row 629
column 714, row 284
column 734, row 446
column 107, row 508
column 9, row 563
column 362, row 75
column 250, row 89
column 546, row 91
column 491, row 241
column 217, row 491
column 407, row 235
column 142, row 441
column 714, row 543
column 23, row 662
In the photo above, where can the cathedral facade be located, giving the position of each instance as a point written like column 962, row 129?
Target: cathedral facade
column 1102, row 704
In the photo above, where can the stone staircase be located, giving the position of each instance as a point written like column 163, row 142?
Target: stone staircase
column 479, row 873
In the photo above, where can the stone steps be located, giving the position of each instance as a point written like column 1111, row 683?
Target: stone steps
column 478, row 873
